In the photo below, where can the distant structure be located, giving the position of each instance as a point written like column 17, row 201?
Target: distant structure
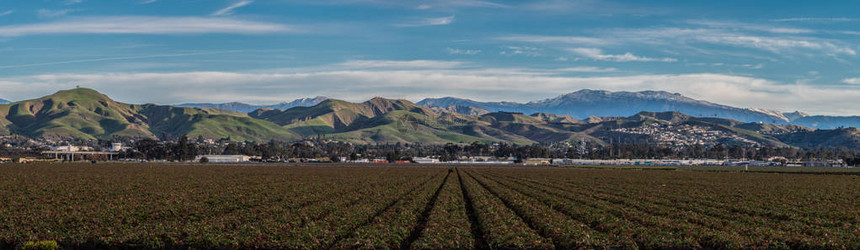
column 116, row 147
column 70, row 148
column 425, row 160
column 224, row 158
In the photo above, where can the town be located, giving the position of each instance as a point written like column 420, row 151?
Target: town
column 678, row 150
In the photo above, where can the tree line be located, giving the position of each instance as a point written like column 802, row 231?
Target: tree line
column 184, row 150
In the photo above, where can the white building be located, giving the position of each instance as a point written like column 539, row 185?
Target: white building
column 116, row 147
column 70, row 148
column 225, row 158
column 425, row 160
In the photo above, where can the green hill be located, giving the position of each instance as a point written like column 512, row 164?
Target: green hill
column 87, row 114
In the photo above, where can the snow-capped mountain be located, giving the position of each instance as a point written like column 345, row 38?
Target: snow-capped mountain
column 4, row 101
column 586, row 103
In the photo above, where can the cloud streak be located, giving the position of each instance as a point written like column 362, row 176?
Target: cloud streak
column 229, row 9
column 389, row 64
column 597, row 54
column 556, row 39
column 470, row 52
column 122, row 58
column 816, row 19
column 46, row 13
column 147, row 25
column 588, row 69
column 437, row 21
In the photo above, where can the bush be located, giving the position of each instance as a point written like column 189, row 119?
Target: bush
column 40, row 245
column 204, row 160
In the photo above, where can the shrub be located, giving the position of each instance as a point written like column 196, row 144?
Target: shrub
column 40, row 245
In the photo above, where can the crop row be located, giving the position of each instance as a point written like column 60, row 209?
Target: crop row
column 272, row 206
column 682, row 223
column 448, row 225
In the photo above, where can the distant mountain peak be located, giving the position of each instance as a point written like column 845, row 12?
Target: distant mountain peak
column 584, row 103
column 247, row 108
column 4, row 101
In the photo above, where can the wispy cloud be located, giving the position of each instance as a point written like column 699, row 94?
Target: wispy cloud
column 426, row 4
column 750, row 26
column 815, row 19
column 598, row 54
column 390, row 64
column 521, row 50
column 73, row 2
column 587, row 69
column 46, row 13
column 778, row 44
column 229, row 9
column 852, row 81
column 121, row 58
column 463, row 51
column 436, row 21
column 148, row 1
column 146, row 25
column 555, row 39
column 6, row 13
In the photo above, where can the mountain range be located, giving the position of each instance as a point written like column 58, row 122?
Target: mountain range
column 592, row 103
column 585, row 103
column 4, row 101
column 87, row 114
column 246, row 108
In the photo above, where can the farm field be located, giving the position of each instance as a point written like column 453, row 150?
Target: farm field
column 342, row 206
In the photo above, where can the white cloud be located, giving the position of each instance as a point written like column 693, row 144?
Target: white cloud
column 852, row 81
column 463, row 51
column 148, row 1
column 521, row 50
column 121, row 58
column 597, row 54
column 777, row 45
column 389, row 64
column 145, row 25
column 6, row 13
column 816, row 19
column 425, row 4
column 587, row 69
column 46, row 13
column 72, row 2
column 555, row 39
column 684, row 37
column 750, row 26
column 229, row 9
column 428, row 22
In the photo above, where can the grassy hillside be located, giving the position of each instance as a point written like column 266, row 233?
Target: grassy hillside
column 86, row 114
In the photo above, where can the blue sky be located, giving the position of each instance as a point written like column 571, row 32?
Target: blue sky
column 781, row 55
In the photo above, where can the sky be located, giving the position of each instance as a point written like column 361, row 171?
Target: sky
column 780, row 55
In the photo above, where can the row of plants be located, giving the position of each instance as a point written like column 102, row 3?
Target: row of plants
column 448, row 226
column 695, row 208
column 500, row 226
